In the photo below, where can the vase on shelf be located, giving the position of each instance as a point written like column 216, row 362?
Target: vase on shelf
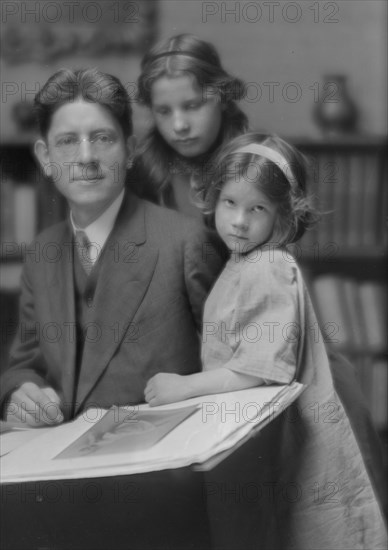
column 336, row 113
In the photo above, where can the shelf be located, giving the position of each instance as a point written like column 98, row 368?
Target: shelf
column 345, row 142
column 355, row 352
column 19, row 143
column 18, row 257
column 317, row 254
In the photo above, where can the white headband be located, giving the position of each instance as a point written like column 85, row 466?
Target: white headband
column 273, row 156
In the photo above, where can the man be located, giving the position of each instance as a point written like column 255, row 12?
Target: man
column 122, row 297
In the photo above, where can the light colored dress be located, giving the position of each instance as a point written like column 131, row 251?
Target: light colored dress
column 252, row 316
column 259, row 320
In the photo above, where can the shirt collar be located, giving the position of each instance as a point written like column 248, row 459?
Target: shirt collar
column 98, row 231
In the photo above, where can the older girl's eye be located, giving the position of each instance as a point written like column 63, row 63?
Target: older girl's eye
column 193, row 105
column 161, row 111
column 228, row 202
column 258, row 208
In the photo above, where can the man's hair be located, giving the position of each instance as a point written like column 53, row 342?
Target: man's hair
column 91, row 85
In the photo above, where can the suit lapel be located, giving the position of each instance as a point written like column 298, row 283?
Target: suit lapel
column 60, row 284
column 127, row 267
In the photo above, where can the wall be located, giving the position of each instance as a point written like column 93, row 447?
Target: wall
column 21, row 82
column 283, row 52
column 288, row 46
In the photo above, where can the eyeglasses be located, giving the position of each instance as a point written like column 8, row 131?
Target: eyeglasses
column 69, row 145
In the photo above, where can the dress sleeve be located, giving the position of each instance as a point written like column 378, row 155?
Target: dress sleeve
column 266, row 322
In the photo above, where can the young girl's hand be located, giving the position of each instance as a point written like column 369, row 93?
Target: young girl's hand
column 165, row 388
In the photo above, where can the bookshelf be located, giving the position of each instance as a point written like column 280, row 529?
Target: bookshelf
column 344, row 258
column 29, row 203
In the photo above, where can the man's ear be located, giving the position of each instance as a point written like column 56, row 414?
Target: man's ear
column 131, row 148
column 42, row 154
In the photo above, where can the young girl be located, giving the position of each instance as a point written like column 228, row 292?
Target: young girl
column 252, row 329
column 192, row 100
column 260, row 327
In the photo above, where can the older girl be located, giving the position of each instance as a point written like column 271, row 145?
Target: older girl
column 193, row 102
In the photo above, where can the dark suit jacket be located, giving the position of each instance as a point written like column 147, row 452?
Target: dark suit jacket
column 156, row 270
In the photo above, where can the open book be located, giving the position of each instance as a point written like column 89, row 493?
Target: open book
column 129, row 440
column 125, row 431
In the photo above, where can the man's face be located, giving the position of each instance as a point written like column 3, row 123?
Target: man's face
column 86, row 155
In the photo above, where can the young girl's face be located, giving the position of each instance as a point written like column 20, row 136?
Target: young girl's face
column 244, row 217
column 187, row 116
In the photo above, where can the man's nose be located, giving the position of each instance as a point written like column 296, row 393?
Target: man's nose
column 85, row 151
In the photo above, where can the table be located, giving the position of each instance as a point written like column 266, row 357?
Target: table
column 227, row 508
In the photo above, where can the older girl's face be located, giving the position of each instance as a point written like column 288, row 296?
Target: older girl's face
column 186, row 115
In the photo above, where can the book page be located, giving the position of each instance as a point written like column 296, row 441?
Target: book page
column 121, row 430
column 96, row 444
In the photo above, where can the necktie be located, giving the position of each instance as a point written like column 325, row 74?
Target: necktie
column 83, row 246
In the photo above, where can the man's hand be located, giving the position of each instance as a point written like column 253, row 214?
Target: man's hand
column 34, row 406
column 165, row 388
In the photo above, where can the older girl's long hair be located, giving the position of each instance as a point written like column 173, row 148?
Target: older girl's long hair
column 155, row 159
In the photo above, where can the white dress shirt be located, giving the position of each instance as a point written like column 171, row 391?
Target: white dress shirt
column 98, row 231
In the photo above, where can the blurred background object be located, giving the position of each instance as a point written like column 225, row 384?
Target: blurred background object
column 336, row 112
column 46, row 31
column 24, row 117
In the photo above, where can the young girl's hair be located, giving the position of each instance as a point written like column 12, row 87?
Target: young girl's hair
column 181, row 55
column 282, row 180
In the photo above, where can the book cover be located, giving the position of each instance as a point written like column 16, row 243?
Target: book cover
column 10, row 275
column 362, row 365
column 340, row 198
column 382, row 233
column 379, row 409
column 354, row 313
column 355, row 200
column 306, row 243
column 373, row 297
column 7, row 211
column 371, row 201
column 330, row 308
column 327, row 179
